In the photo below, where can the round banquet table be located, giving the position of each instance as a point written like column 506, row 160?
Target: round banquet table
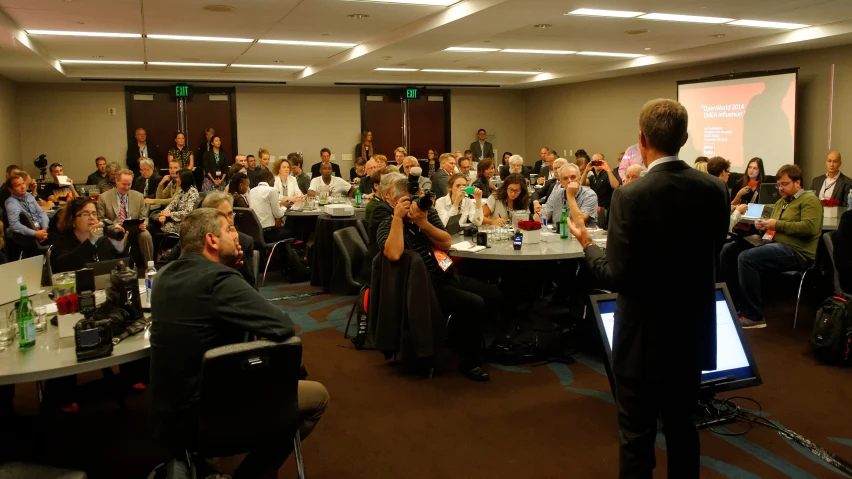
column 326, row 263
column 550, row 248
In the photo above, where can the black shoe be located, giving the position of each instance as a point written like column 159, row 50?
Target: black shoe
column 476, row 374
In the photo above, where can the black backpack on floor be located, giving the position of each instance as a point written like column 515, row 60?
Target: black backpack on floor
column 298, row 258
column 831, row 340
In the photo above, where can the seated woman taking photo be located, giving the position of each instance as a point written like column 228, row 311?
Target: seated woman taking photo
column 510, row 197
column 81, row 239
column 457, row 202
column 182, row 204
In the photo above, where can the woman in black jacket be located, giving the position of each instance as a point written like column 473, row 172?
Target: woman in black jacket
column 216, row 163
column 81, row 239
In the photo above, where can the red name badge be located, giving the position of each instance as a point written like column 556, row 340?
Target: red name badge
column 444, row 261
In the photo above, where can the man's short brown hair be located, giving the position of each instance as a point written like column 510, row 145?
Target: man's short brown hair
column 717, row 165
column 664, row 123
column 792, row 171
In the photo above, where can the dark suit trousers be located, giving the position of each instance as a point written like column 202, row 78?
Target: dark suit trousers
column 470, row 302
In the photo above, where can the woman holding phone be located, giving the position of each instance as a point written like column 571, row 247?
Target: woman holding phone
column 457, row 202
column 752, row 179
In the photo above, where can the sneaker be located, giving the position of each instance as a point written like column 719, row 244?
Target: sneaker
column 72, row 408
column 746, row 323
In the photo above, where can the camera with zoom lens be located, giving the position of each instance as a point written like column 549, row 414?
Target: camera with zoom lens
column 423, row 202
column 92, row 337
column 114, row 232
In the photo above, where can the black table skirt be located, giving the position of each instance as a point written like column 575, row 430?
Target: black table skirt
column 326, row 264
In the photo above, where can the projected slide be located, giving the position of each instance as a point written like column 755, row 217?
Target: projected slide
column 741, row 119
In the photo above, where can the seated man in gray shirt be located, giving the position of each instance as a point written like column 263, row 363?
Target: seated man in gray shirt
column 569, row 180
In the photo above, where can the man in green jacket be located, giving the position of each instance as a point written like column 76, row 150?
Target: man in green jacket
column 790, row 240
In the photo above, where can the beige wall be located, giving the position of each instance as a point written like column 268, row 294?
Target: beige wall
column 500, row 112
column 10, row 137
column 602, row 115
column 71, row 125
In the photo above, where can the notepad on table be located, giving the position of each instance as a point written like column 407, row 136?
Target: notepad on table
column 466, row 246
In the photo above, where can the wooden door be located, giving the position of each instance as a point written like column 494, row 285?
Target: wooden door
column 157, row 113
column 427, row 124
column 381, row 113
column 214, row 108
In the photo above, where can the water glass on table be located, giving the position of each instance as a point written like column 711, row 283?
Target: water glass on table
column 40, row 318
column 8, row 328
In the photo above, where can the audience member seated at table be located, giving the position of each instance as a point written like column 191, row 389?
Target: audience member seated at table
column 701, row 163
column 600, row 178
column 238, row 188
column 632, row 156
column 796, row 224
column 182, row 204
column 251, row 170
column 721, row 168
column 32, row 188
column 754, row 172
column 100, row 172
column 399, row 154
column 842, row 241
column 183, row 155
column 56, row 192
column 582, row 161
column 167, row 189
column 215, row 166
column 233, row 170
column 263, row 159
column 441, row 177
column 325, row 159
column 633, row 173
column 484, row 172
column 270, row 207
column 366, row 181
column 241, row 160
column 587, row 200
column 504, row 164
column 286, row 184
column 21, row 201
column 148, row 179
column 108, row 183
column 540, row 162
column 470, row 302
column 540, row 195
column 466, row 169
column 200, row 303
column 120, row 204
column 457, row 202
column 548, row 171
column 81, row 240
column 334, row 185
column 303, row 179
column 516, row 166
column 511, row 196
column 410, row 162
column 377, row 197
column 833, row 184
column 4, row 188
column 358, row 171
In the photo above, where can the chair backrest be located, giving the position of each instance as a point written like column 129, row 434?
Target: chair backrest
column 827, row 238
column 353, row 251
column 47, row 269
column 255, row 268
column 248, row 396
column 201, row 197
column 362, row 229
column 247, row 222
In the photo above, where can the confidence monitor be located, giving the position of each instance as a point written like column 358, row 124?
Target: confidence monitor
column 736, row 366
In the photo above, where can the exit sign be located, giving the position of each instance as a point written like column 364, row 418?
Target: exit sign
column 181, row 91
column 411, row 93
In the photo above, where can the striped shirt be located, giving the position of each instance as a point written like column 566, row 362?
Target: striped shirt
column 416, row 241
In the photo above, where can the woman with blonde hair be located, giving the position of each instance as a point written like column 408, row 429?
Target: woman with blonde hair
column 285, row 183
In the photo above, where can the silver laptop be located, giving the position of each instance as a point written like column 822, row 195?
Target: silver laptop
column 757, row 211
column 15, row 273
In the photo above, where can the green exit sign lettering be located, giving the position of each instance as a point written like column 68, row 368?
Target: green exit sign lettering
column 182, row 91
column 411, row 93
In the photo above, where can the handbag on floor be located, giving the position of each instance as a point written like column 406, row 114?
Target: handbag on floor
column 831, row 340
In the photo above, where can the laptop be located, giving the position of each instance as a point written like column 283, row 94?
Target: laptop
column 16, row 273
column 101, row 270
column 453, row 226
column 757, row 211
column 736, row 368
column 768, row 194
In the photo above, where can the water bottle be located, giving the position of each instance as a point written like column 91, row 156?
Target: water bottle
column 849, row 200
column 149, row 281
column 357, row 196
column 26, row 323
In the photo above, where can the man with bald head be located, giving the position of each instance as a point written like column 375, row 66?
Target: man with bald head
column 540, row 162
column 633, row 173
column 833, row 184
column 410, row 162
column 366, row 181
column 139, row 149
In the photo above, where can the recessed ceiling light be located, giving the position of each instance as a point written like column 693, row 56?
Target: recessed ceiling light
column 638, row 31
column 762, row 24
column 395, row 69
column 507, row 72
column 486, row 41
column 97, row 56
column 85, row 34
column 544, row 52
column 470, row 50
column 434, row 3
column 358, row 16
column 104, row 62
column 288, row 67
column 593, row 12
column 218, row 8
column 436, row 70
column 646, row 49
column 325, row 35
column 179, row 64
column 669, row 17
column 607, row 54
column 308, row 44
column 542, row 25
column 717, row 35
column 199, row 39
column 401, row 65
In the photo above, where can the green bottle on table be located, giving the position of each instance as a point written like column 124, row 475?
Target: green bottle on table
column 26, row 324
column 357, row 195
column 563, row 224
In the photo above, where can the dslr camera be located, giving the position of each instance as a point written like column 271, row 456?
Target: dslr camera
column 423, row 202
column 113, row 232
column 92, row 337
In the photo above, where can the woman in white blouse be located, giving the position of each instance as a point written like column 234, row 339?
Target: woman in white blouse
column 457, row 202
column 285, row 183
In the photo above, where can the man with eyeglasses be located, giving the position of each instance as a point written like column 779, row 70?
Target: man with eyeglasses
column 120, row 204
column 140, row 149
column 21, row 202
column 58, row 191
column 790, row 238
column 569, row 181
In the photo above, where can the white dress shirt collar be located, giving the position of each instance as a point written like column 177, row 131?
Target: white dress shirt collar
column 660, row 161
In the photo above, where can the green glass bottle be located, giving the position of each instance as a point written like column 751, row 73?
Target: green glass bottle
column 563, row 224
column 26, row 324
column 358, row 195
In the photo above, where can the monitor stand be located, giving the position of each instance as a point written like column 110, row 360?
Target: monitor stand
column 707, row 416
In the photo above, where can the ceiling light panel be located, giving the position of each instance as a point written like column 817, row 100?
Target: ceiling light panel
column 187, row 64
column 84, row 34
column 280, row 67
column 435, row 70
column 396, row 69
column 101, row 62
column 592, row 12
column 200, row 39
column 543, row 52
column 471, row 50
column 669, row 17
column 509, row 72
column 762, row 24
column 432, row 3
column 608, row 54
column 308, row 44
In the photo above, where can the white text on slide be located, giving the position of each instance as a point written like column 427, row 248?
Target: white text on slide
column 732, row 110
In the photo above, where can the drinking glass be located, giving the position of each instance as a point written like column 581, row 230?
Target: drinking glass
column 40, row 318
column 8, row 328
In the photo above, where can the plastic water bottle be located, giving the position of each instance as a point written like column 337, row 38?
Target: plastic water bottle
column 149, row 281
column 849, row 200
column 358, row 195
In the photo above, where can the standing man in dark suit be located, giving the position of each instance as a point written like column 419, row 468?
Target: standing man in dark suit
column 833, row 184
column 665, row 329
column 481, row 148
column 325, row 157
column 141, row 149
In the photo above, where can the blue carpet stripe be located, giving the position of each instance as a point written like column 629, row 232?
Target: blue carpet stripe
column 765, row 456
column 840, row 440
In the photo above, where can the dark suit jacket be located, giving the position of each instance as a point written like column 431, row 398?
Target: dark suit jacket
column 479, row 152
column 665, row 317
column 132, row 159
column 95, row 178
column 537, row 167
column 139, row 185
column 200, row 305
column 316, row 167
column 841, row 188
column 545, row 190
column 439, row 183
column 210, row 165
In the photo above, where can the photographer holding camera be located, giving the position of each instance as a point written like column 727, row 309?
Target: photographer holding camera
column 81, row 239
column 416, row 226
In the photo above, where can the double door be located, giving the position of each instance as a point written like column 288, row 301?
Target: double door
column 419, row 124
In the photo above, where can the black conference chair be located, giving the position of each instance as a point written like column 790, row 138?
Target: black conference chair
column 801, row 275
column 247, row 222
column 362, row 230
column 31, row 243
column 828, row 239
column 201, row 196
column 352, row 252
column 46, row 271
column 255, row 267
column 22, row 470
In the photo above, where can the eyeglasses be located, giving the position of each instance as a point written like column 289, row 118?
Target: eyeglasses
column 783, row 185
column 87, row 214
column 514, row 190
